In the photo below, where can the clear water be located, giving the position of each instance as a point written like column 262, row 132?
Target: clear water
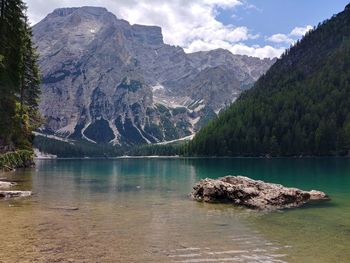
column 137, row 210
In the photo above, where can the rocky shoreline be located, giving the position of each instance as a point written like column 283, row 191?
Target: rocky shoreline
column 6, row 194
column 246, row 192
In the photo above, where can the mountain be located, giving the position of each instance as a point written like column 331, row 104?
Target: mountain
column 301, row 106
column 106, row 81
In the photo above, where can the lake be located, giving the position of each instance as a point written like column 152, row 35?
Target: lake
column 138, row 210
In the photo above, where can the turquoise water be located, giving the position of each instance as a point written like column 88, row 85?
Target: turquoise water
column 137, row 210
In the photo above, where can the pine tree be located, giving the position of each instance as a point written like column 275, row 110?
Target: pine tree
column 301, row 106
column 30, row 86
column 19, row 77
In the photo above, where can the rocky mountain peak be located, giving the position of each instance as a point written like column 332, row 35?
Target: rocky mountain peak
column 107, row 81
column 63, row 11
column 92, row 10
column 149, row 35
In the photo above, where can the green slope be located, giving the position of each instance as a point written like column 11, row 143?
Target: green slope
column 301, row 106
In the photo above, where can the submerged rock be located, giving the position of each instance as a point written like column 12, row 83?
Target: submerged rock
column 11, row 194
column 14, row 194
column 243, row 191
column 66, row 208
column 6, row 185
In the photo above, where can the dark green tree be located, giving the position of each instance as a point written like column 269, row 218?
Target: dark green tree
column 301, row 106
column 19, row 77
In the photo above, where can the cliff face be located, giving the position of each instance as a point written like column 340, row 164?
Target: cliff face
column 105, row 80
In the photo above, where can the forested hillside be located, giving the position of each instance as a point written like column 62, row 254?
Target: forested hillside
column 301, row 106
column 19, row 78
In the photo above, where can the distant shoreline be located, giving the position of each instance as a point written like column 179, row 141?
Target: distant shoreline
column 190, row 157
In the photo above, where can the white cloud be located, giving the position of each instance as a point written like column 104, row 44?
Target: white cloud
column 187, row 22
column 191, row 24
column 238, row 48
column 257, row 51
column 248, row 6
column 300, row 31
column 292, row 37
column 223, row 3
column 280, row 38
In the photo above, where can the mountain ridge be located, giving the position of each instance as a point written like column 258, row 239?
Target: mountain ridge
column 299, row 107
column 100, row 69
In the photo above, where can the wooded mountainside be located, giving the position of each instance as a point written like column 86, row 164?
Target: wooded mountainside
column 301, row 106
column 19, row 78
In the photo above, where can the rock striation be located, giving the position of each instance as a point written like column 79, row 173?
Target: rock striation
column 243, row 191
column 106, row 81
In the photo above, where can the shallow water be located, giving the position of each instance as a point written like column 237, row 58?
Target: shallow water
column 137, row 210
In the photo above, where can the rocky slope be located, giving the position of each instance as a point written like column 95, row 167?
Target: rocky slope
column 107, row 81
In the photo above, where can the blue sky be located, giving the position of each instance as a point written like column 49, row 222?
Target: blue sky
column 268, row 17
column 260, row 28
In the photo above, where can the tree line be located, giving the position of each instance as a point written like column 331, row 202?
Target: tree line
column 301, row 106
column 19, row 78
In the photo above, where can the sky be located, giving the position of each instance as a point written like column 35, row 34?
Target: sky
column 260, row 28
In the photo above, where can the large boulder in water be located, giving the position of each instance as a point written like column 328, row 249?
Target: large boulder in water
column 243, row 191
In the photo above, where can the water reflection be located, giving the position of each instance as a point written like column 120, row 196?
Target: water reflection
column 138, row 211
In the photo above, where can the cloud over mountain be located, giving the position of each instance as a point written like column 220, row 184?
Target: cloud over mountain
column 296, row 33
column 191, row 24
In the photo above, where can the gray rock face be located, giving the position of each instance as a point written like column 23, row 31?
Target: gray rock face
column 243, row 191
column 105, row 80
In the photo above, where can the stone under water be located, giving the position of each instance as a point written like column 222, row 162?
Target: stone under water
column 243, row 191
column 5, row 194
column 6, row 185
column 14, row 194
